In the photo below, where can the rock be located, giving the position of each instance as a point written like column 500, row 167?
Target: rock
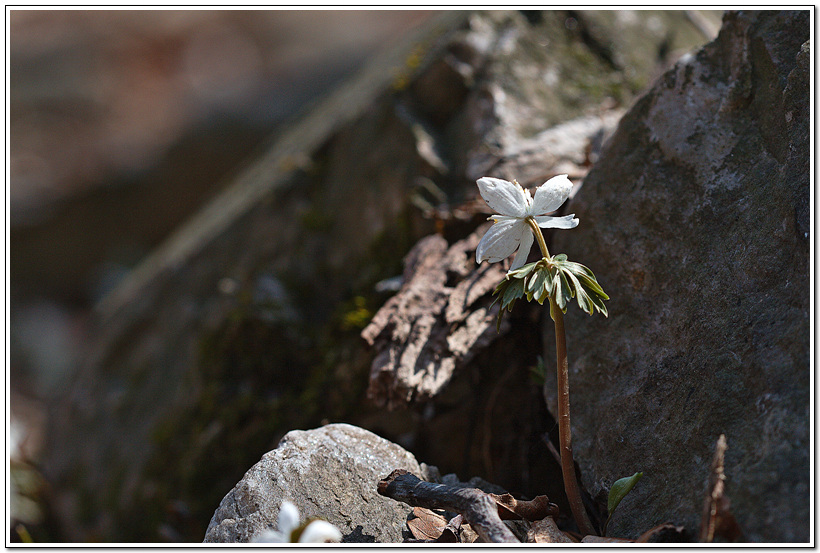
column 329, row 472
column 695, row 220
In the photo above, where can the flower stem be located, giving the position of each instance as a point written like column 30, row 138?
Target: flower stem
column 576, row 504
column 539, row 236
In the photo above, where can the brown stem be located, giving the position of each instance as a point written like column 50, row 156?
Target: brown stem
column 576, row 504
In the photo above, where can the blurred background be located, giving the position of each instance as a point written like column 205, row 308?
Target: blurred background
column 122, row 124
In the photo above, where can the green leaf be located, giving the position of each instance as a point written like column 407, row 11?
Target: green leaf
column 522, row 272
column 599, row 304
column 554, row 277
column 514, row 291
column 575, row 267
column 566, row 292
column 619, row 490
column 544, row 292
column 498, row 320
column 536, row 283
column 592, row 285
column 580, row 294
column 557, row 289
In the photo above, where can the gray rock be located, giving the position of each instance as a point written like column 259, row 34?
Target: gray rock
column 695, row 220
column 329, row 472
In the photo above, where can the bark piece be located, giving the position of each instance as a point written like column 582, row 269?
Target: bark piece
column 437, row 322
column 477, row 507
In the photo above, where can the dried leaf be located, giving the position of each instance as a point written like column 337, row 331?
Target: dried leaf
column 510, row 508
column 427, row 525
column 468, row 535
column 450, row 534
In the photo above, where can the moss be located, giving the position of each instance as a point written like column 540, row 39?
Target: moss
column 357, row 315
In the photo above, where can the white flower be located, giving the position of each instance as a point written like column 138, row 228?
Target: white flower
column 514, row 205
column 317, row 531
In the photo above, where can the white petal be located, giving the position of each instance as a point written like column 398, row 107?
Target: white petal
column 268, row 536
column 320, row 531
column 288, row 518
column 500, row 218
column 550, row 195
column 523, row 250
column 500, row 241
column 503, row 196
column 567, row 221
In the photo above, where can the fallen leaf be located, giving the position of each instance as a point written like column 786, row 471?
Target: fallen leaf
column 450, row 534
column 468, row 535
column 510, row 508
column 427, row 525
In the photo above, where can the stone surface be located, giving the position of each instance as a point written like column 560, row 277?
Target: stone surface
column 329, row 472
column 695, row 220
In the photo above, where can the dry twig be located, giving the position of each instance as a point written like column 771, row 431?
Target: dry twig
column 717, row 518
column 477, row 507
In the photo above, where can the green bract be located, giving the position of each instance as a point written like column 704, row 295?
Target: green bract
column 552, row 277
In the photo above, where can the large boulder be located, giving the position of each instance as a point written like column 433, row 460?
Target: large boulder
column 696, row 221
column 331, row 473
